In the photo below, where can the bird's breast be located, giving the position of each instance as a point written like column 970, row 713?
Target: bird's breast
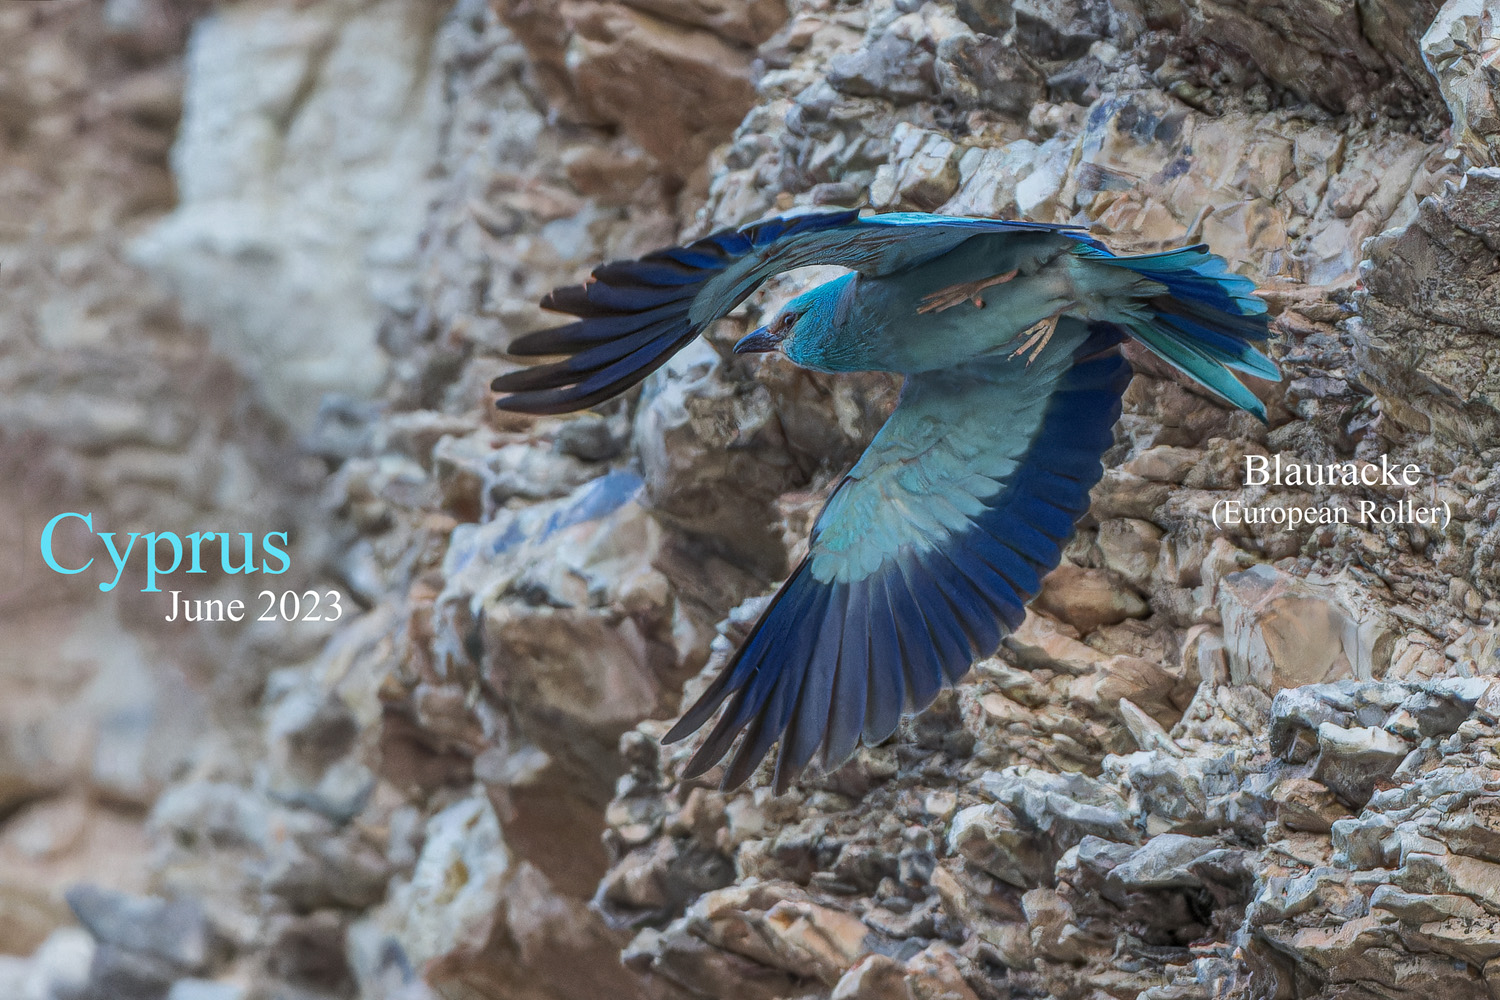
column 898, row 334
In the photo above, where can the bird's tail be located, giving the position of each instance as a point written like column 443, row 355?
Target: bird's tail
column 1207, row 323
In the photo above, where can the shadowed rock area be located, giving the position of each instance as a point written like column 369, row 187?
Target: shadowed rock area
column 260, row 263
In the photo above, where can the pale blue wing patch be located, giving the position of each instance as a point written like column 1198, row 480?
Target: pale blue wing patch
column 922, row 560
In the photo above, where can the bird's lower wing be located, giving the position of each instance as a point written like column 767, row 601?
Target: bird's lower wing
column 923, row 558
column 633, row 315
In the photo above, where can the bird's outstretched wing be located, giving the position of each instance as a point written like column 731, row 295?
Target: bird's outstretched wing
column 923, row 558
column 633, row 315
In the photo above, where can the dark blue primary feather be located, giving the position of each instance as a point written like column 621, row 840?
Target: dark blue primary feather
column 846, row 713
column 885, row 694
column 800, row 610
column 858, row 653
column 634, row 315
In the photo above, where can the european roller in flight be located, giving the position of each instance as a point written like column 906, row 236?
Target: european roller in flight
column 1008, row 335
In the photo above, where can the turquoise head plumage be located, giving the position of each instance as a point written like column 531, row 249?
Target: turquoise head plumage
column 809, row 330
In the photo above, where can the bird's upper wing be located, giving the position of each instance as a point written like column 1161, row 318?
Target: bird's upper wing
column 924, row 557
column 633, row 315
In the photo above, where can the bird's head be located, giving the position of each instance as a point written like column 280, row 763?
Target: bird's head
column 806, row 328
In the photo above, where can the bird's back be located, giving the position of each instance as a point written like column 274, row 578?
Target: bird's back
column 893, row 325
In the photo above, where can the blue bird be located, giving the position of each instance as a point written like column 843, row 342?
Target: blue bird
column 924, row 557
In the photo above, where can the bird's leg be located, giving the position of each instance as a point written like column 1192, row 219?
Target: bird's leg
column 1038, row 334
column 947, row 298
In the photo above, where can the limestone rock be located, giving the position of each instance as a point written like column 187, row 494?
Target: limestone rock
column 60, row 967
column 925, row 171
column 306, row 141
column 1297, row 713
column 1462, row 49
column 686, row 450
column 1054, row 931
column 1164, row 463
column 1144, row 684
column 992, row 838
column 311, row 735
column 676, row 92
column 1125, row 494
column 982, row 72
column 177, row 933
column 316, row 869
column 777, row 927
column 1331, row 54
column 577, row 616
column 204, row 989
column 1164, row 862
column 1061, row 808
column 1088, row 598
column 1281, row 632
column 1129, row 547
column 452, row 899
column 1041, row 643
column 892, row 66
column 674, row 75
column 1351, row 761
column 1303, row 804
column 1444, row 246
column 1060, row 30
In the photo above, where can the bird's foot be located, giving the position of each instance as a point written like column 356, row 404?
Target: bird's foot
column 968, row 291
column 1037, row 336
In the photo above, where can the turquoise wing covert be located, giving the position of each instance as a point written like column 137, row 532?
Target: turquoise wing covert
column 923, row 558
column 633, row 315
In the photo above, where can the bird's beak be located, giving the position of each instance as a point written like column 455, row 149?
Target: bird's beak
column 758, row 342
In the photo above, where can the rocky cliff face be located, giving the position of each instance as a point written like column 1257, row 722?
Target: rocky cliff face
column 1252, row 760
column 110, row 406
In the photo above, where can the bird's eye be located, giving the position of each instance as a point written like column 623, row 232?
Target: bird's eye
column 784, row 323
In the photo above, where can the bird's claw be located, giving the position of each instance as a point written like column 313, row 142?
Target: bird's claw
column 1037, row 335
column 968, row 291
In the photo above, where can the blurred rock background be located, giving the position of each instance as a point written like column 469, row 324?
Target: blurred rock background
column 259, row 261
